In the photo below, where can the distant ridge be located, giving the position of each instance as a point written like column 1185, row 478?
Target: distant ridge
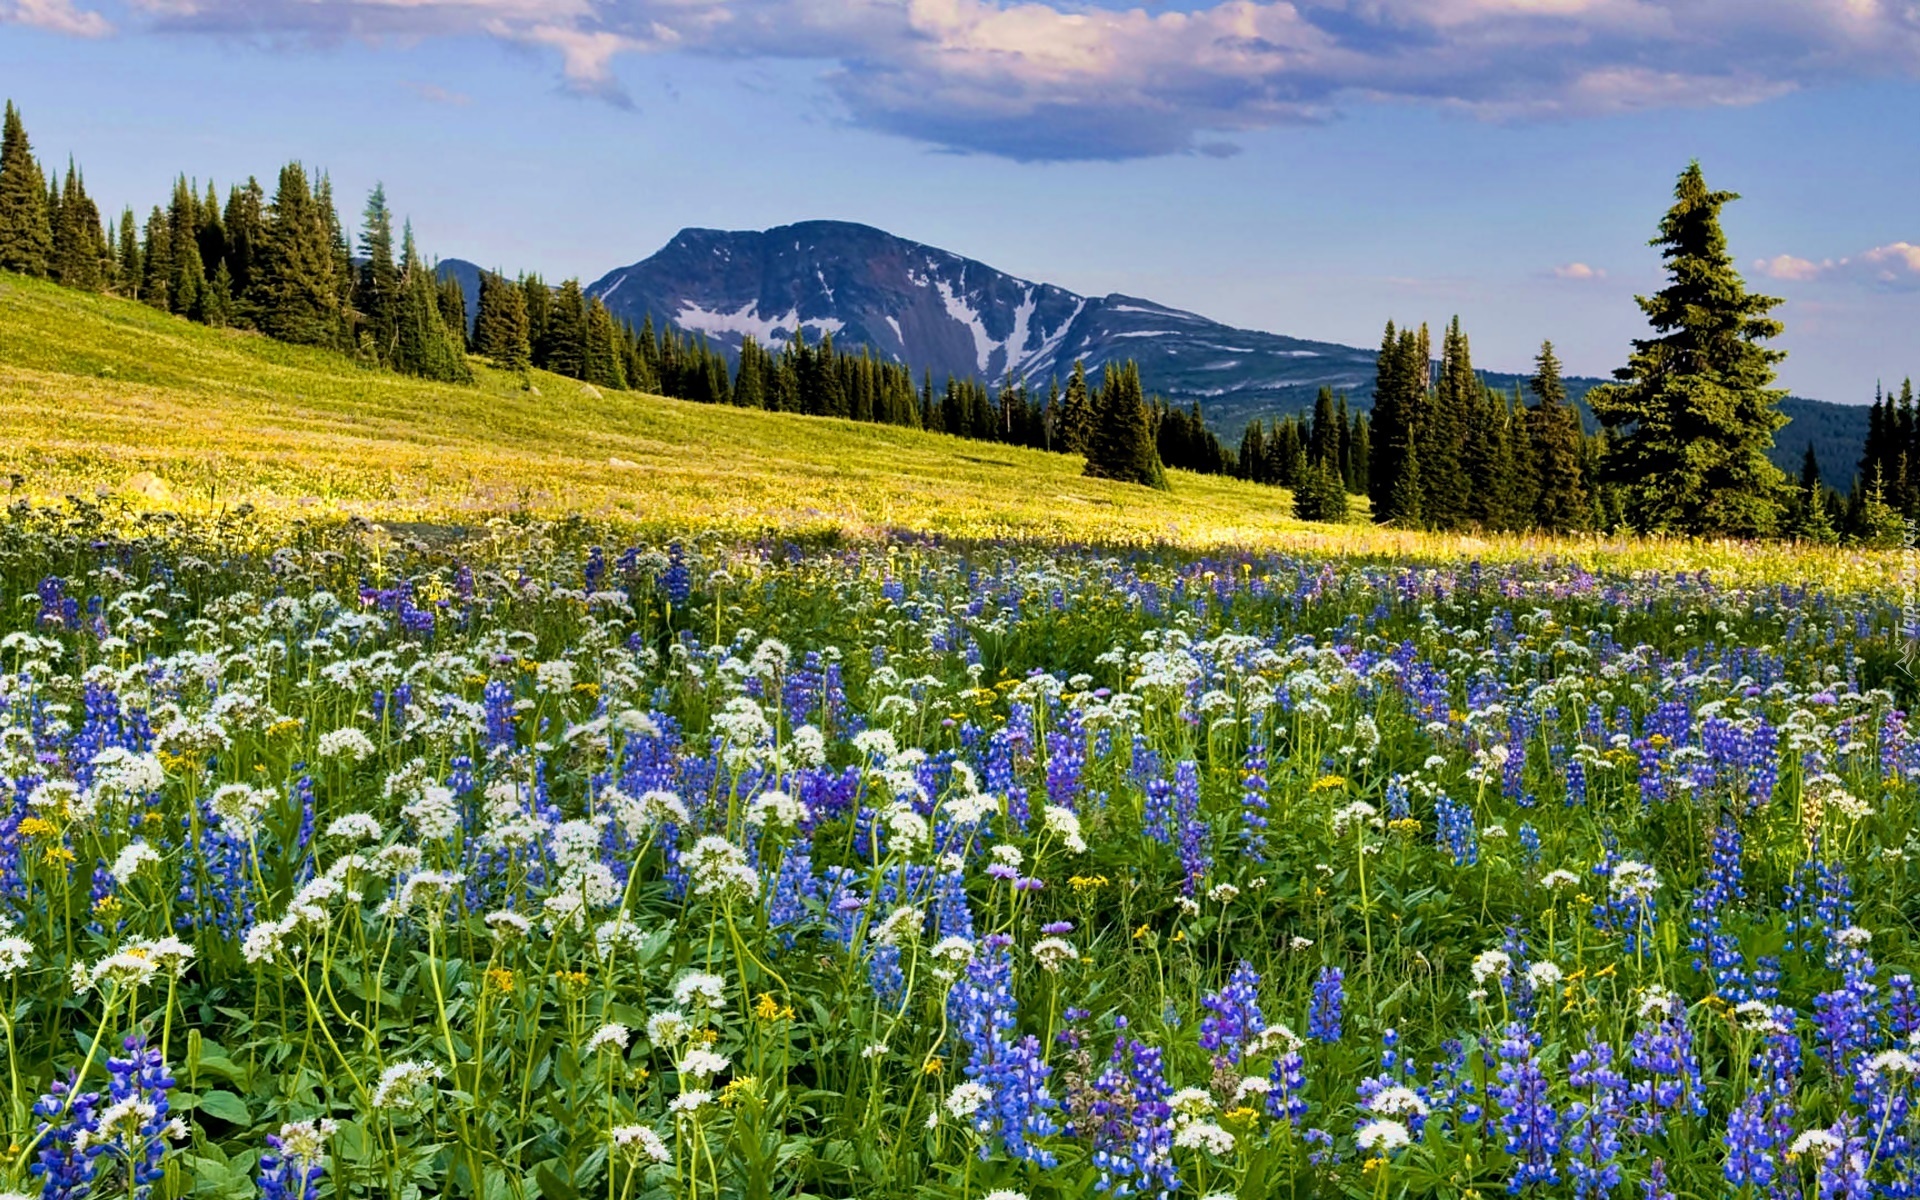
column 943, row 312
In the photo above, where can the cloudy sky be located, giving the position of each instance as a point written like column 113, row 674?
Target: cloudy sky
column 1312, row 168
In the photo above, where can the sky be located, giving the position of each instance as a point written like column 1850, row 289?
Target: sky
column 1311, row 168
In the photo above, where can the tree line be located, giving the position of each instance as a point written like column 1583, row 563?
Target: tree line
column 282, row 265
column 1681, row 447
column 1684, row 430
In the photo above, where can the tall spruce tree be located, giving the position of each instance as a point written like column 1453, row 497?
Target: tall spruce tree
column 539, row 301
column 563, row 345
column 127, row 270
column 1399, row 401
column 750, row 381
column 1694, row 413
column 1553, row 426
column 245, row 226
column 1121, row 446
column 423, row 345
column 1523, row 480
column 1362, row 439
column 500, row 327
column 376, row 294
column 189, row 278
column 297, row 290
column 605, row 366
column 212, row 234
column 453, row 308
column 156, row 258
column 1077, row 418
column 26, row 225
column 80, row 254
column 1486, row 460
column 1445, row 487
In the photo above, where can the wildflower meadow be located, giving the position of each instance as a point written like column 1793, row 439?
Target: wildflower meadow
column 529, row 862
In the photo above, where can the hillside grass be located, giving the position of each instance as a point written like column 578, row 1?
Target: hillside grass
column 106, row 397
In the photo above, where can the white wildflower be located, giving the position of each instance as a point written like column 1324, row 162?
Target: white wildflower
column 1381, row 1137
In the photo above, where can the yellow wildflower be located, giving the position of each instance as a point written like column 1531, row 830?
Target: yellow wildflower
column 769, row 1009
column 37, row 827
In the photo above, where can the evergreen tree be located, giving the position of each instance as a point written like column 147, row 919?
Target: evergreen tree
column 217, row 307
column 1252, row 459
column 1077, row 420
column 1523, row 464
column 376, row 295
column 1121, row 445
column 211, row 235
column 188, row 292
column 1810, row 520
column 340, row 254
column 453, row 308
column 296, row 291
column 604, row 365
column 1486, row 460
column 750, row 382
column 157, row 259
column 423, row 345
column 1563, row 504
column 127, row 271
column 79, row 252
column 1445, row 487
column 1694, row 411
column 500, row 327
column 1876, row 524
column 245, row 227
column 26, row 224
column 185, row 287
column 1403, row 502
column 1324, row 447
column 563, row 347
column 1398, row 400
column 1362, row 442
column 539, row 301
column 1318, row 493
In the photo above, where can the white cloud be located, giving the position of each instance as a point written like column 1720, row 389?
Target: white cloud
column 55, row 16
column 1579, row 271
column 1062, row 79
column 1895, row 265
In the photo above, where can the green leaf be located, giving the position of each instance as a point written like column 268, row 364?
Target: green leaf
column 554, row 1186
column 226, row 1107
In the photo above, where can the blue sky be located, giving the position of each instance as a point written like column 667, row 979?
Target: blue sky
column 1311, row 168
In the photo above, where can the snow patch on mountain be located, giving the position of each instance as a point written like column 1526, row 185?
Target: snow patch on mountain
column 747, row 321
column 983, row 343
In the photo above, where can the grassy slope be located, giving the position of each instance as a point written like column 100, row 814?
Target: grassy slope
column 95, row 391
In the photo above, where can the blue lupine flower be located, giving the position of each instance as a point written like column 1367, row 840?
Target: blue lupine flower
column 1253, row 796
column 1457, row 832
column 1131, row 1124
column 1195, row 858
column 1594, row 1120
column 1324, row 1012
column 1532, row 1126
column 1236, row 1019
